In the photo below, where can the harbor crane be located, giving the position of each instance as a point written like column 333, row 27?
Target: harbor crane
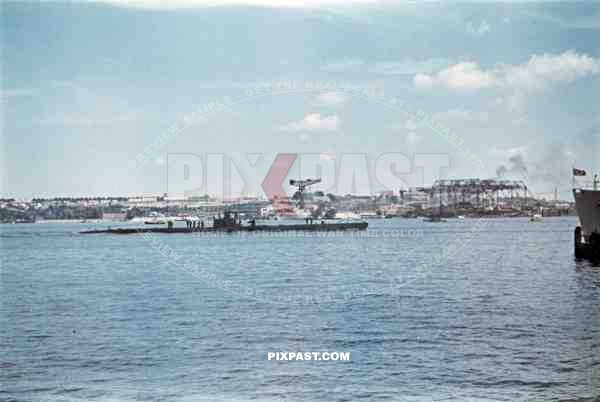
column 302, row 185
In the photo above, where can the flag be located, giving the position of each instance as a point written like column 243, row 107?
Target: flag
column 579, row 172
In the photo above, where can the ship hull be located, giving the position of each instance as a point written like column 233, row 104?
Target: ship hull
column 587, row 203
column 587, row 236
column 317, row 227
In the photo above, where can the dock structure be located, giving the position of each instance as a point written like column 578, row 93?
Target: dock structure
column 468, row 195
column 233, row 228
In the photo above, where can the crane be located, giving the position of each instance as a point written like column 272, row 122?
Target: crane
column 302, row 185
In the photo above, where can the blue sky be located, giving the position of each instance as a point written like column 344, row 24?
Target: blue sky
column 87, row 85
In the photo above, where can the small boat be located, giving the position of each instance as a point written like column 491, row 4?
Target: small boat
column 370, row 215
column 156, row 218
column 435, row 219
column 536, row 218
column 154, row 222
column 348, row 216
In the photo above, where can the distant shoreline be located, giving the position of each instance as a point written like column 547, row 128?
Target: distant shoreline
column 98, row 221
column 81, row 221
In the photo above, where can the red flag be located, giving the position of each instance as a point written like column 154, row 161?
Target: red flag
column 579, row 172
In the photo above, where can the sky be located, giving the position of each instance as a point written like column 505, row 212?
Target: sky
column 88, row 86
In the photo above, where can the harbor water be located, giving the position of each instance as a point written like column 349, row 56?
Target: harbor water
column 505, row 315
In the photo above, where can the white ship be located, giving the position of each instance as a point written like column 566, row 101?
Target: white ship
column 348, row 216
column 285, row 213
column 587, row 203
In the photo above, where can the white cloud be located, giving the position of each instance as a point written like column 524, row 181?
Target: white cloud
column 466, row 75
column 480, row 30
column 537, row 73
column 540, row 70
column 312, row 122
column 171, row 4
column 330, row 98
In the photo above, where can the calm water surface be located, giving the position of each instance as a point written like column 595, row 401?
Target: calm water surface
column 510, row 316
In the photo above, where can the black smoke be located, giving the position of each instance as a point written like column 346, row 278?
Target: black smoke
column 515, row 166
